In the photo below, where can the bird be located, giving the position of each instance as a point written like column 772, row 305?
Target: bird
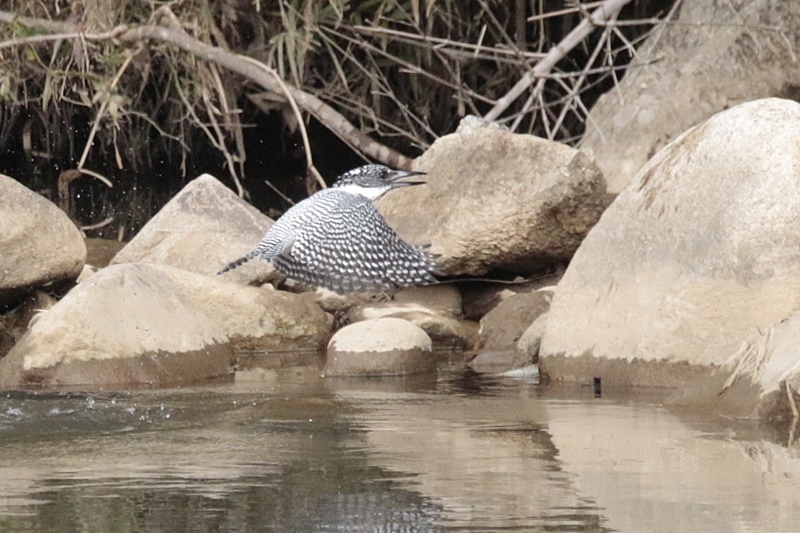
column 337, row 239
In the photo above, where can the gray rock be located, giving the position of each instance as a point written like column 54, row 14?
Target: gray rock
column 430, row 308
column 340, row 304
column 134, row 324
column 380, row 347
column 492, row 361
column 14, row 323
column 496, row 200
column 527, row 350
column 510, row 334
column 503, row 326
column 435, row 308
column 39, row 245
column 203, row 228
column 100, row 252
column 762, row 378
column 445, row 298
column 480, row 300
column 698, row 70
column 483, row 296
column 698, row 253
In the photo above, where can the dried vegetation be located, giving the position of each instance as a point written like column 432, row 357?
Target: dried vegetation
column 78, row 91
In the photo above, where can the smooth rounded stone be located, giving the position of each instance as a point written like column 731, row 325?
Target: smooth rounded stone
column 444, row 297
column 445, row 330
column 202, row 229
column 504, row 325
column 700, row 252
column 379, row 347
column 134, row 324
column 494, row 200
column 689, row 71
column 40, row 244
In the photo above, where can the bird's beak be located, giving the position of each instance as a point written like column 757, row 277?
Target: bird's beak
column 397, row 175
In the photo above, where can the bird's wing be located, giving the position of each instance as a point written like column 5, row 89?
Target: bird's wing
column 354, row 249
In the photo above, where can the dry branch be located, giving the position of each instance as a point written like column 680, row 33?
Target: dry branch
column 608, row 10
column 241, row 65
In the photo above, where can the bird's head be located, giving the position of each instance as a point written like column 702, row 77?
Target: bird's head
column 372, row 181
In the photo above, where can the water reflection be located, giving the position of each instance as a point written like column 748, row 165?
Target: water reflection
column 462, row 452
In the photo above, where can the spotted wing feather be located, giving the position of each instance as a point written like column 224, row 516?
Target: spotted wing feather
column 351, row 248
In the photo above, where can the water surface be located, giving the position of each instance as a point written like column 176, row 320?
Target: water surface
column 460, row 452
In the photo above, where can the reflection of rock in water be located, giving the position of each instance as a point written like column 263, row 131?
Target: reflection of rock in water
column 384, row 508
column 647, row 467
column 469, row 382
column 487, row 460
column 237, row 461
column 382, row 455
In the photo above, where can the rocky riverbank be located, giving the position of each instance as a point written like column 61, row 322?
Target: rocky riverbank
column 689, row 279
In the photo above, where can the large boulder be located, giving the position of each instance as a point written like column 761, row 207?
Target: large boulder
column 152, row 324
column 697, row 70
column 39, row 245
column 701, row 251
column 762, row 378
column 498, row 201
column 204, row 227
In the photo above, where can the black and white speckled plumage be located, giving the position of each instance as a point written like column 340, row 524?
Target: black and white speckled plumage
column 338, row 240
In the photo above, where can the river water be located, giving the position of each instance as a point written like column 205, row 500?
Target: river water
column 291, row 451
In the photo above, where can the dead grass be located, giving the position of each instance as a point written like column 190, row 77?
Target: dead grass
column 403, row 73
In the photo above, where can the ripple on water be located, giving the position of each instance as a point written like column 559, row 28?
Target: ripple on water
column 462, row 452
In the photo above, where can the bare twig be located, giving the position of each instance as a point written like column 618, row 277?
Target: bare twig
column 410, row 66
column 97, row 176
column 279, row 193
column 241, row 65
column 65, row 178
column 606, row 11
column 98, row 225
column 310, row 168
column 565, row 11
column 33, row 39
column 378, row 79
column 106, row 99
column 232, row 118
column 448, row 46
column 574, row 92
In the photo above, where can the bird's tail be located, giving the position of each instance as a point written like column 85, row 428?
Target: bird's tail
column 239, row 262
column 432, row 260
